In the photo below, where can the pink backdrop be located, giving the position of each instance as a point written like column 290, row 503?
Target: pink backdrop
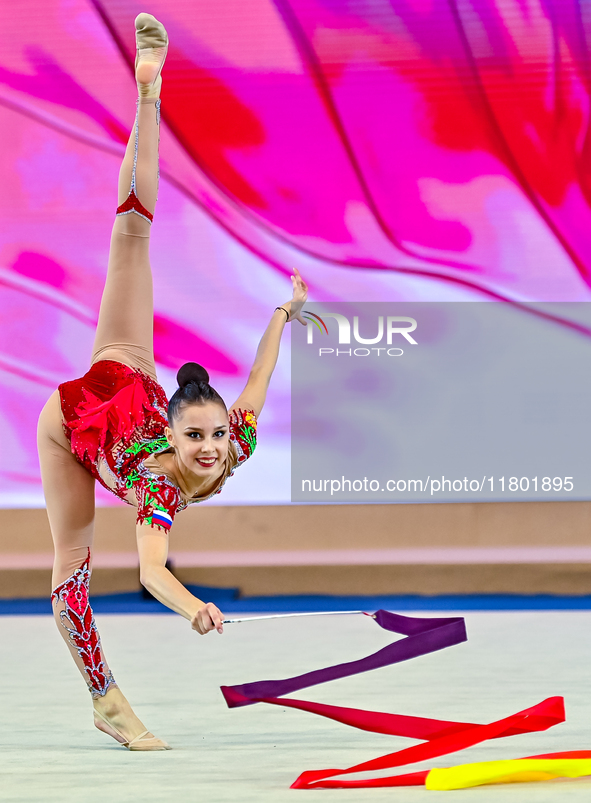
column 391, row 149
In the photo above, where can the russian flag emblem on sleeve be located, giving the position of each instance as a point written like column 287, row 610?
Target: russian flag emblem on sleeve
column 162, row 518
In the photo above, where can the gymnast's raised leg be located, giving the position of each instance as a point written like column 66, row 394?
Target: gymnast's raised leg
column 124, row 334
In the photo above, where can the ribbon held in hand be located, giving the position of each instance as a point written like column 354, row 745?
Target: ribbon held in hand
column 440, row 737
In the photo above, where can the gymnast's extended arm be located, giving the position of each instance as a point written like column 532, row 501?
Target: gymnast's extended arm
column 155, row 577
column 153, row 543
column 255, row 392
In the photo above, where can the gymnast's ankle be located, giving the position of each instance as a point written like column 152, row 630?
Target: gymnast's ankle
column 112, row 703
column 116, row 708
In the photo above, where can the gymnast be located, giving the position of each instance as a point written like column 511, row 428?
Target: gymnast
column 116, row 426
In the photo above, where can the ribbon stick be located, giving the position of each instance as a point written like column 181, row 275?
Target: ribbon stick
column 440, row 737
column 291, row 616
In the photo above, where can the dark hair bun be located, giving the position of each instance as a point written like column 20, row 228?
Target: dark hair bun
column 191, row 372
column 194, row 388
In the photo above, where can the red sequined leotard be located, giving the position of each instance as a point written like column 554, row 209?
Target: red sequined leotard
column 114, row 417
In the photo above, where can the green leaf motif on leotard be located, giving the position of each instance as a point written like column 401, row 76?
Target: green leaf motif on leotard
column 155, row 504
column 157, row 445
column 250, row 436
column 132, row 477
column 134, row 448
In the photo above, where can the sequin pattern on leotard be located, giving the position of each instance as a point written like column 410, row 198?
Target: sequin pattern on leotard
column 78, row 620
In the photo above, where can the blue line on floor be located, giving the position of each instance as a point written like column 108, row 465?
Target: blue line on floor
column 230, row 603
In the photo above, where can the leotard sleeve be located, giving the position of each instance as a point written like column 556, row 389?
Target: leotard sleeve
column 243, row 433
column 158, row 500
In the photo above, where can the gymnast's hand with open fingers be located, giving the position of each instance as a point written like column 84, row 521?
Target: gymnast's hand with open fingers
column 295, row 305
column 207, row 618
column 300, row 295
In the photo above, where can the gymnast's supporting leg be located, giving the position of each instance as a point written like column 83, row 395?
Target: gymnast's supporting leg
column 69, row 496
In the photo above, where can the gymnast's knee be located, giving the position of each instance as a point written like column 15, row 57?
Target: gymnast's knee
column 132, row 226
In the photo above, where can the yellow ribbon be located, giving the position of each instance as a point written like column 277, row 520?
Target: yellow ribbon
column 519, row 770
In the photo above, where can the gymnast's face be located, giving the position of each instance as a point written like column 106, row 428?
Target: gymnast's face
column 200, row 436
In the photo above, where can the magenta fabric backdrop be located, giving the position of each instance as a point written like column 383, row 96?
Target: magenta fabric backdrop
column 391, row 149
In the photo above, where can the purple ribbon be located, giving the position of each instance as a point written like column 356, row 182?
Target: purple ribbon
column 423, row 636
